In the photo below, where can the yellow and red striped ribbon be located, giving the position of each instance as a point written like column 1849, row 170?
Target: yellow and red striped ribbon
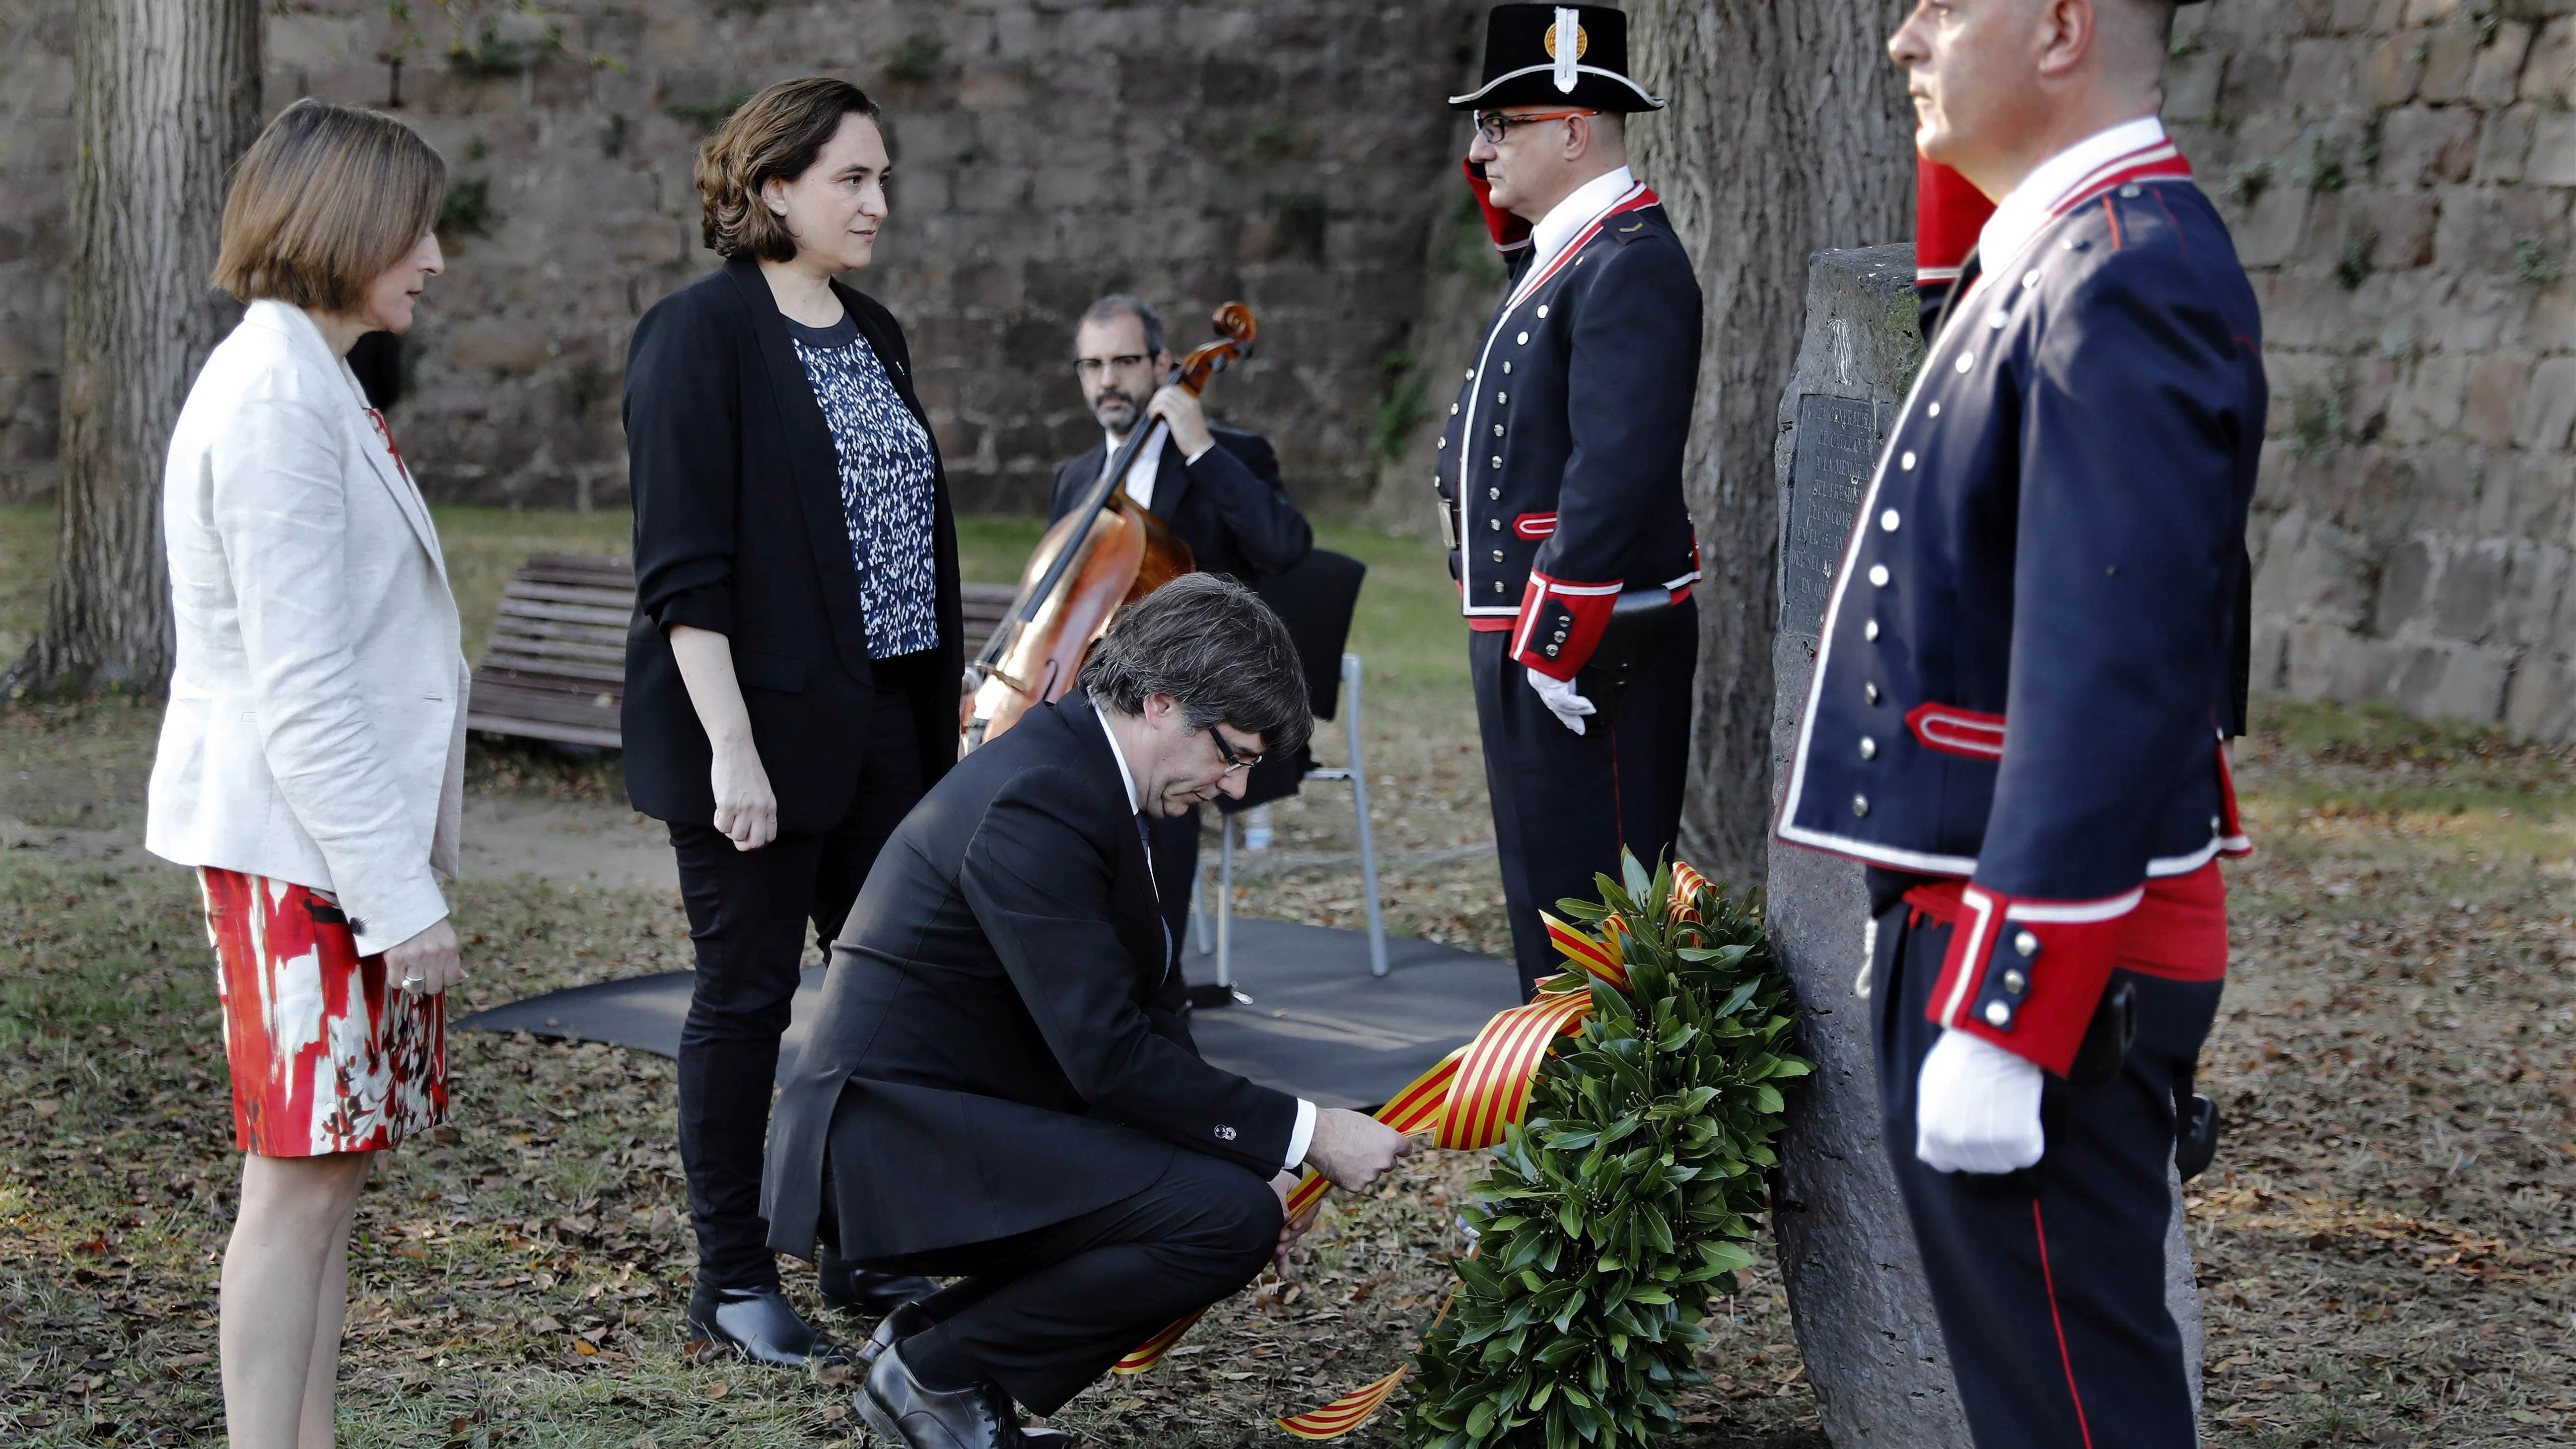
column 1469, row 1100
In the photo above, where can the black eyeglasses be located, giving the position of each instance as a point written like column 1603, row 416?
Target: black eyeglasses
column 1095, row 366
column 1494, row 125
column 1225, row 752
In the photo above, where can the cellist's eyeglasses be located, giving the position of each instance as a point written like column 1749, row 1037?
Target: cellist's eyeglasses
column 1225, row 752
column 1091, row 367
column 1494, row 125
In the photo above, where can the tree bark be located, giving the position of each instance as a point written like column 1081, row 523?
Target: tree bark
column 1787, row 130
column 166, row 97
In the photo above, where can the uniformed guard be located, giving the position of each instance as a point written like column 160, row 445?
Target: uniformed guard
column 1560, row 472
column 2027, row 667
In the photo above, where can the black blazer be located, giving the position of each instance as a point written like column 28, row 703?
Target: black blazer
column 739, row 529
column 1228, row 506
column 988, row 1056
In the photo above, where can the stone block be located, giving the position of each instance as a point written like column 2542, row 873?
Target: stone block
column 2427, row 400
column 2401, row 228
column 2325, row 72
column 2431, row 12
column 2498, row 74
column 2549, row 71
column 2420, row 145
column 2504, row 143
column 2405, row 582
column 2396, row 68
column 2268, row 232
column 2540, row 703
column 2546, row 414
column 2325, row 661
column 2533, row 588
column 2469, row 596
column 2553, row 150
column 498, row 344
column 2329, row 576
column 2495, row 386
column 2450, row 59
column 2449, row 681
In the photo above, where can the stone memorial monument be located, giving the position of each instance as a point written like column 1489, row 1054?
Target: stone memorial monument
column 1866, row 1330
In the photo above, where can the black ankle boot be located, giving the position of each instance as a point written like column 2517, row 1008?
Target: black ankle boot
column 761, row 1325
column 850, row 1288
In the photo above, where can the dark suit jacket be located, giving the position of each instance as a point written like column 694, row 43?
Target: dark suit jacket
column 988, row 1056
column 1228, row 506
column 739, row 529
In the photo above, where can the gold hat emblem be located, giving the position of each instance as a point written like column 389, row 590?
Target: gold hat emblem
column 1582, row 41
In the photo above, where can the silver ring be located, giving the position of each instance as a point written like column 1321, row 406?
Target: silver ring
column 414, row 983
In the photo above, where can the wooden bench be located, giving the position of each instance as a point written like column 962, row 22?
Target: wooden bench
column 556, row 666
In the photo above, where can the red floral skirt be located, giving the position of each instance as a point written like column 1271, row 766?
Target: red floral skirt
column 326, row 1055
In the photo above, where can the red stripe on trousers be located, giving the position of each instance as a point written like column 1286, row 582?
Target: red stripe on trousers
column 2049, row 1282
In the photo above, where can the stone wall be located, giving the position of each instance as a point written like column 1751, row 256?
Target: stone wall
column 1287, row 153
column 2398, row 175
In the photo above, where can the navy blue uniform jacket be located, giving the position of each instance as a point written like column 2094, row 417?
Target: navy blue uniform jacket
column 2030, row 648
column 1560, row 472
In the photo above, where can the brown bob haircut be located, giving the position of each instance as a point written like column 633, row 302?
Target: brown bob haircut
column 324, row 201
column 777, row 133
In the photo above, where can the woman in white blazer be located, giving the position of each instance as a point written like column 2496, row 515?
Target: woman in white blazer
column 312, row 761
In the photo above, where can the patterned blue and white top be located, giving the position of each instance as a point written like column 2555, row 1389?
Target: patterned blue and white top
column 886, row 472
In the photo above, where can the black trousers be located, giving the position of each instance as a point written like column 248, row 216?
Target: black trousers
column 748, row 914
column 1564, row 804
column 2050, row 1282
column 1044, row 1313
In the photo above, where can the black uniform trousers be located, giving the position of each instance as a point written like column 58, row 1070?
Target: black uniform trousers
column 1565, row 804
column 1046, row 1312
column 2050, row 1282
column 748, row 912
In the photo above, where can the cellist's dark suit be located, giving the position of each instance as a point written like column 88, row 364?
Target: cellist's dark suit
column 991, row 1089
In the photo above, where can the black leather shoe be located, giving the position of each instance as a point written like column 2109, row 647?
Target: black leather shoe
column 892, row 1329
column 762, row 1326
column 904, row 1413
column 850, row 1288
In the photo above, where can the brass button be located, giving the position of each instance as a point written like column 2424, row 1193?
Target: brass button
column 2026, row 943
column 1494, row 493
column 1502, row 398
column 1524, row 340
column 1498, row 430
column 1998, row 1015
column 1498, row 586
column 1935, row 412
column 1507, row 369
column 1906, row 462
column 1966, row 360
column 1498, row 460
column 2015, row 983
column 1444, row 443
column 1860, row 804
column 1995, row 321
column 1542, row 309
column 1495, row 524
column 1869, row 631
column 1870, row 692
column 1878, row 576
column 1498, row 555
column 1549, row 651
column 2030, row 278
column 1887, row 521
column 1868, row 748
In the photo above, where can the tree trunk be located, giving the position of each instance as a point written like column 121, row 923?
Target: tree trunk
column 1787, row 130
column 166, row 97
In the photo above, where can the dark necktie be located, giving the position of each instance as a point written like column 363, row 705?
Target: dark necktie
column 1145, row 838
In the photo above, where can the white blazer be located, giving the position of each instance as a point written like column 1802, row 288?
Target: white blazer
column 316, row 729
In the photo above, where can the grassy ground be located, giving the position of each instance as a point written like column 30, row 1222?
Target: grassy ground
column 2386, row 1245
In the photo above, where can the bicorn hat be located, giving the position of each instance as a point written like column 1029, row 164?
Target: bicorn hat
column 1563, row 55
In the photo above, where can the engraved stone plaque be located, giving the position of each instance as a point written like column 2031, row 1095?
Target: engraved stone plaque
column 1837, row 447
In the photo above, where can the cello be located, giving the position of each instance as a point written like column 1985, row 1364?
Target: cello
column 1108, row 552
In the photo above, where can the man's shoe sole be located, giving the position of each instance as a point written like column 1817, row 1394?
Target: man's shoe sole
column 878, row 1419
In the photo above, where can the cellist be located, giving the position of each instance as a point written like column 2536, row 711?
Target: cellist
column 1219, row 490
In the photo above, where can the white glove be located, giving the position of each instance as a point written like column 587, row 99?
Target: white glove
column 1561, row 700
column 1976, row 1107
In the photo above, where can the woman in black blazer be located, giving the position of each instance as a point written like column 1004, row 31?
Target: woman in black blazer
column 793, row 669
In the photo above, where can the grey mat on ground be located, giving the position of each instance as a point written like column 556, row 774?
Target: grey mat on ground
column 1319, row 1025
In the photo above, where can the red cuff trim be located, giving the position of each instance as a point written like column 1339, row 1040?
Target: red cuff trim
column 2024, row 975
column 1956, row 731
column 1561, row 623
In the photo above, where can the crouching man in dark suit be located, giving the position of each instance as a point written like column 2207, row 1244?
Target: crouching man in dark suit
column 993, row 1091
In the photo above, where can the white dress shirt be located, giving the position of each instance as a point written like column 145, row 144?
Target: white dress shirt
column 2025, row 209
column 1148, row 466
column 1573, row 214
column 1303, row 1134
